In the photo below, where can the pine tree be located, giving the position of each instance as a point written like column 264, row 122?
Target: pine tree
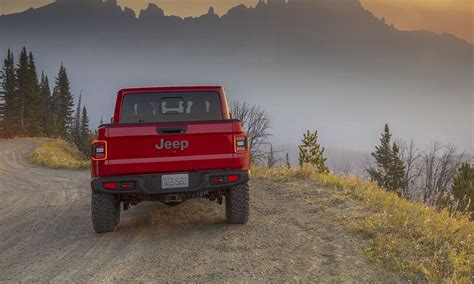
column 45, row 102
column 76, row 129
column 63, row 104
column 33, row 112
column 288, row 164
column 397, row 170
column 22, row 89
column 271, row 158
column 463, row 188
column 8, row 86
column 310, row 152
column 53, row 127
column 84, row 133
column 9, row 96
column 390, row 171
column 2, row 107
column 382, row 155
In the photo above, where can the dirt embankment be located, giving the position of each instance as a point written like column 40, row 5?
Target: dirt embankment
column 46, row 234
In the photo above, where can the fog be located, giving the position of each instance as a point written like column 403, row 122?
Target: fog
column 322, row 66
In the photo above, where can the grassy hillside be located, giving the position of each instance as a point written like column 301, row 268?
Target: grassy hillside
column 58, row 154
column 409, row 238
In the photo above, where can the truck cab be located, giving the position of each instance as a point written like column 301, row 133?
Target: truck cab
column 169, row 144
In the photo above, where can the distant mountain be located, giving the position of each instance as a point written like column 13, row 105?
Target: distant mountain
column 332, row 64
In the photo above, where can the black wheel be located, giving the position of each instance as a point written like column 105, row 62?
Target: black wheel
column 237, row 203
column 105, row 212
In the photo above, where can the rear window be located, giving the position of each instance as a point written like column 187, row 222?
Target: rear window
column 171, row 107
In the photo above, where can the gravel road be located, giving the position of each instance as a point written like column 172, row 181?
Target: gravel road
column 46, row 234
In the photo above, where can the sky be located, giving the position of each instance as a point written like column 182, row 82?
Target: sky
column 451, row 16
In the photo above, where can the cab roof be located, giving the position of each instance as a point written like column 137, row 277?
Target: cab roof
column 171, row 89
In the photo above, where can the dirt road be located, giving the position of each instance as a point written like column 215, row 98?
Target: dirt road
column 46, row 234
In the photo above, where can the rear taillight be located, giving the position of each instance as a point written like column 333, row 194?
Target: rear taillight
column 99, row 150
column 126, row 185
column 224, row 179
column 240, row 143
column 110, row 185
column 233, row 178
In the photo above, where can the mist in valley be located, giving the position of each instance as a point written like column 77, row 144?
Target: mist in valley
column 312, row 65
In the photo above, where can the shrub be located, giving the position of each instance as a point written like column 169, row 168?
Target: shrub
column 463, row 189
column 58, row 154
column 409, row 237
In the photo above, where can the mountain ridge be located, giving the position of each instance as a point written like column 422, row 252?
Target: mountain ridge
column 267, row 50
column 155, row 10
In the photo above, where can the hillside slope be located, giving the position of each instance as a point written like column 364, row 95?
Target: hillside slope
column 292, row 234
column 303, row 227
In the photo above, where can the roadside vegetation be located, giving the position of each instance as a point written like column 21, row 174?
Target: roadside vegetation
column 58, row 154
column 29, row 107
column 428, row 239
column 408, row 237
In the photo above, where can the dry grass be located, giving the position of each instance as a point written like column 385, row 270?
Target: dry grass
column 58, row 154
column 408, row 237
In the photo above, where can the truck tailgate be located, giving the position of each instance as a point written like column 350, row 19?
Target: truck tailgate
column 158, row 148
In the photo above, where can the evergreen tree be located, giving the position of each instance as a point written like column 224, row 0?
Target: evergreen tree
column 84, row 133
column 45, row 102
column 390, row 171
column 33, row 111
column 63, row 104
column 22, row 74
column 2, row 107
column 382, row 155
column 9, row 96
column 76, row 129
column 288, row 164
column 463, row 188
column 397, row 170
column 54, row 125
column 271, row 158
column 310, row 152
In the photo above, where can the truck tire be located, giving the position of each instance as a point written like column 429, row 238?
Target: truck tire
column 105, row 212
column 237, row 203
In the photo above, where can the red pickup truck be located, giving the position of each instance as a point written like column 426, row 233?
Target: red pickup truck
column 169, row 144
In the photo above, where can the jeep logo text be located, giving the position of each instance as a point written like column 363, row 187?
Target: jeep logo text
column 182, row 145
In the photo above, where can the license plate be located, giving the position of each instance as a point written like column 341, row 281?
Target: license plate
column 175, row 181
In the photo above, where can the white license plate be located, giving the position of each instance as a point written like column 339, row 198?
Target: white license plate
column 175, row 181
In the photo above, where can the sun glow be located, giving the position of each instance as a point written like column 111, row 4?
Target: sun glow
column 450, row 16
column 441, row 16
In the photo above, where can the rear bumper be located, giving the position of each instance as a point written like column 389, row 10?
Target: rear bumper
column 151, row 184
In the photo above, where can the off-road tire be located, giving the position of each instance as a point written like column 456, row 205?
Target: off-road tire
column 105, row 212
column 237, row 203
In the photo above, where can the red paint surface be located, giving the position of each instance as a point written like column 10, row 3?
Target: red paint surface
column 131, row 148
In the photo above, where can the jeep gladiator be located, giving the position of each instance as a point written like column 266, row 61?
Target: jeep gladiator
column 169, row 144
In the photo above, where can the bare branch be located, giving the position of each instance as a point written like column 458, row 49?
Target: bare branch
column 256, row 123
column 439, row 164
